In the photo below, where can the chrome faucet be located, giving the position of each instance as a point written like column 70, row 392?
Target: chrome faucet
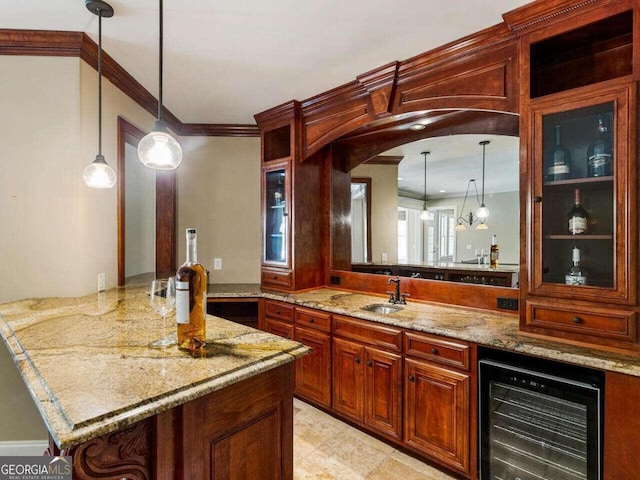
column 397, row 297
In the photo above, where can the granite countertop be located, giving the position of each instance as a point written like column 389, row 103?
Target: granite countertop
column 234, row 290
column 493, row 329
column 447, row 266
column 87, row 364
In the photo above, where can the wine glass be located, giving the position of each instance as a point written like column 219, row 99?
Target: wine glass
column 163, row 300
column 478, row 255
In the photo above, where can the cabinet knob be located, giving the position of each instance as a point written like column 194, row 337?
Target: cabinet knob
column 412, row 378
column 311, row 320
column 537, row 199
column 277, row 312
column 434, row 351
column 357, row 360
column 369, row 363
column 275, row 277
column 576, row 320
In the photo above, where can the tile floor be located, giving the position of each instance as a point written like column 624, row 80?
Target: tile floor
column 328, row 449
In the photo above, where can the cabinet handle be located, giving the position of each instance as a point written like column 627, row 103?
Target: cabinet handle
column 537, row 199
column 434, row 351
column 358, row 360
column 576, row 320
column 275, row 277
column 277, row 312
column 369, row 363
column 311, row 320
column 412, row 378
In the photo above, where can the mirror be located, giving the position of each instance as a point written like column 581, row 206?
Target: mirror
column 453, row 170
column 146, row 211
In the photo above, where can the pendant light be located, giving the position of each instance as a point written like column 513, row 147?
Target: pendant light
column 425, row 213
column 159, row 149
column 98, row 174
column 483, row 212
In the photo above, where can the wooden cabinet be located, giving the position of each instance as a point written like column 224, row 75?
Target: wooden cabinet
column 291, row 204
column 313, row 371
column 367, row 374
column 579, row 131
column 438, row 400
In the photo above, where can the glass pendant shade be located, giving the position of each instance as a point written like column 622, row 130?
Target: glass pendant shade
column 98, row 174
column 159, row 149
column 424, row 215
column 482, row 226
column 482, row 213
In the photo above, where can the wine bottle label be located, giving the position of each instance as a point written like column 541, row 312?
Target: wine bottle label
column 575, row 279
column 182, row 302
column 577, row 225
column 558, row 170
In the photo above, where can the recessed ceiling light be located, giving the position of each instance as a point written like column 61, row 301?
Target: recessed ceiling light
column 442, row 191
column 417, row 126
column 400, row 178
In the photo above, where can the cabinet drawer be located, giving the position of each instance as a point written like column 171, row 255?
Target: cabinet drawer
column 279, row 310
column 313, row 319
column 594, row 321
column 280, row 278
column 278, row 328
column 383, row 336
column 437, row 349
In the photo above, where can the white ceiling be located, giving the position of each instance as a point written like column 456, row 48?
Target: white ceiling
column 454, row 160
column 228, row 60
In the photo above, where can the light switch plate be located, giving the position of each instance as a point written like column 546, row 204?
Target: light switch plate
column 217, row 264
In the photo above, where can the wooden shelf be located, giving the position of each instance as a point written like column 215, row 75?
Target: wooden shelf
column 585, row 183
column 578, row 237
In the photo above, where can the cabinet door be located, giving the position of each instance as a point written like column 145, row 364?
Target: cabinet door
column 348, row 385
column 437, row 413
column 383, row 391
column 582, row 155
column 313, row 371
column 276, row 205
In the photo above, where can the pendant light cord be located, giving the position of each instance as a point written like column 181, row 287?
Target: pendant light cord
column 160, row 36
column 484, row 146
column 99, row 81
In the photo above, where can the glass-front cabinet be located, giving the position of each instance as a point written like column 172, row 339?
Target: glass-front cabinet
column 581, row 194
column 276, row 214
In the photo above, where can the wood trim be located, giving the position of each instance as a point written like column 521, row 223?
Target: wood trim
column 79, row 44
column 165, row 207
column 368, row 197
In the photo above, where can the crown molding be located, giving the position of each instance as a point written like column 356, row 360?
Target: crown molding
column 48, row 43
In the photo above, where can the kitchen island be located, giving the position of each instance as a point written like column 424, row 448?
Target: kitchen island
column 124, row 410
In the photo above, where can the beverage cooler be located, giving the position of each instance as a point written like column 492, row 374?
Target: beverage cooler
column 539, row 420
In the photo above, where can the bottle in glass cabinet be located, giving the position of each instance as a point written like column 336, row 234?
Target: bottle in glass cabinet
column 557, row 160
column 578, row 217
column 575, row 275
column 600, row 152
column 493, row 253
column 191, row 298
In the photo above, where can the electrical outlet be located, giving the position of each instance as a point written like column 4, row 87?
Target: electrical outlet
column 507, row 303
column 217, row 264
column 384, row 257
column 102, row 282
column 469, row 246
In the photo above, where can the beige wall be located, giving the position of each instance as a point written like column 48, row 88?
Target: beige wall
column 219, row 195
column 57, row 234
column 384, row 209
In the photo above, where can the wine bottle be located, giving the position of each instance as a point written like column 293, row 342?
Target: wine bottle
column 578, row 217
column 191, row 293
column 558, row 161
column 600, row 152
column 575, row 275
column 493, row 253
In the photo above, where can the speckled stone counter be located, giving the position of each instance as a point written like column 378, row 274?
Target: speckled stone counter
column 87, row 363
column 480, row 326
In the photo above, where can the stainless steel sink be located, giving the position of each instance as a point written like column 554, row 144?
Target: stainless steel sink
column 382, row 308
